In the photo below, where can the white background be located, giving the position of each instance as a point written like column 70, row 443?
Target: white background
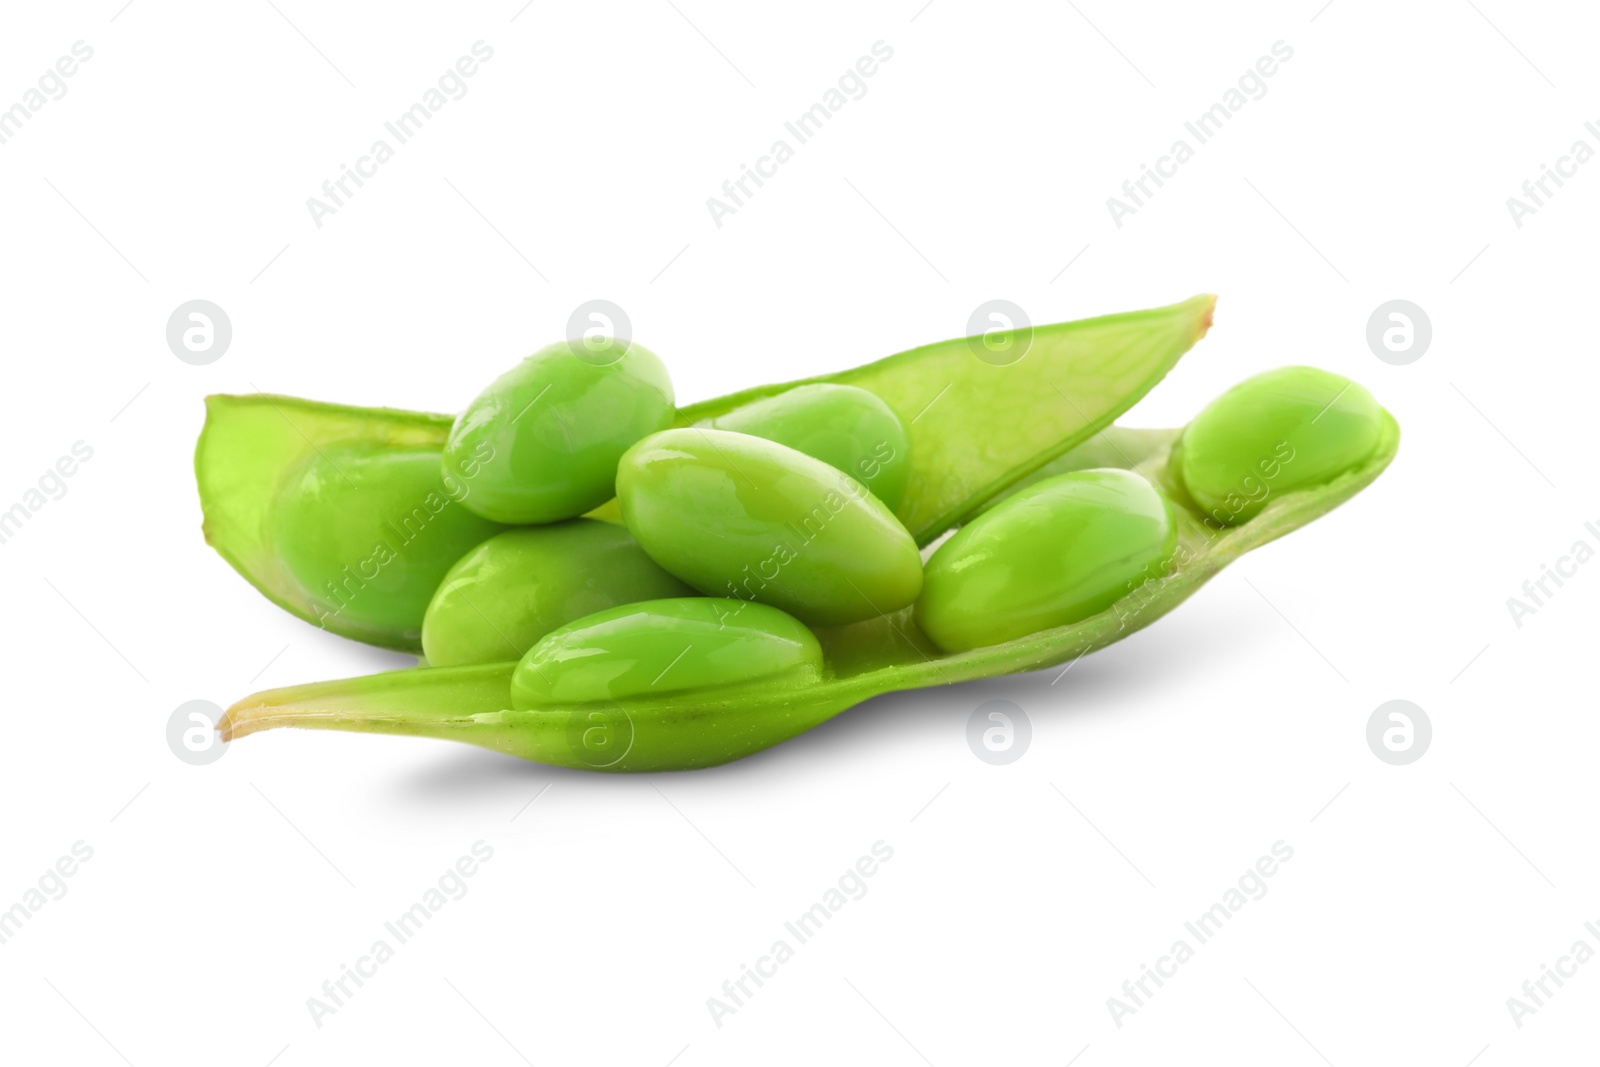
column 978, row 164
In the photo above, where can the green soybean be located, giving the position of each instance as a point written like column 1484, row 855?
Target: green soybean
column 1016, row 426
column 845, row 427
column 665, row 646
column 1057, row 552
column 368, row 533
column 541, row 443
column 975, row 428
column 1275, row 433
column 739, row 516
column 517, row 586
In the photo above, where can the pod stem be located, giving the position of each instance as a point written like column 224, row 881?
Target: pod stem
column 437, row 702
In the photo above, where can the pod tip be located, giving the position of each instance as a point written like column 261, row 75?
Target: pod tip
column 1210, row 300
column 252, row 716
column 227, row 727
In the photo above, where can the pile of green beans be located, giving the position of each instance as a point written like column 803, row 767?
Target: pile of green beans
column 600, row 579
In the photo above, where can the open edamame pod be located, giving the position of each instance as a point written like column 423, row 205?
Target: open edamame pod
column 251, row 448
column 652, row 731
column 1071, row 381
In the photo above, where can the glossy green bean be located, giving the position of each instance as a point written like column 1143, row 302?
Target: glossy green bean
column 1275, row 433
column 365, row 532
column 541, row 443
column 511, row 590
column 661, row 647
column 844, row 426
column 740, row 516
column 1053, row 554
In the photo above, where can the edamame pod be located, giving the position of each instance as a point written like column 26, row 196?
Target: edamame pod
column 541, row 443
column 976, row 430
column 1059, row 551
column 517, row 586
column 1280, row 431
column 367, row 533
column 665, row 646
column 845, row 427
column 740, row 516
column 698, row 727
